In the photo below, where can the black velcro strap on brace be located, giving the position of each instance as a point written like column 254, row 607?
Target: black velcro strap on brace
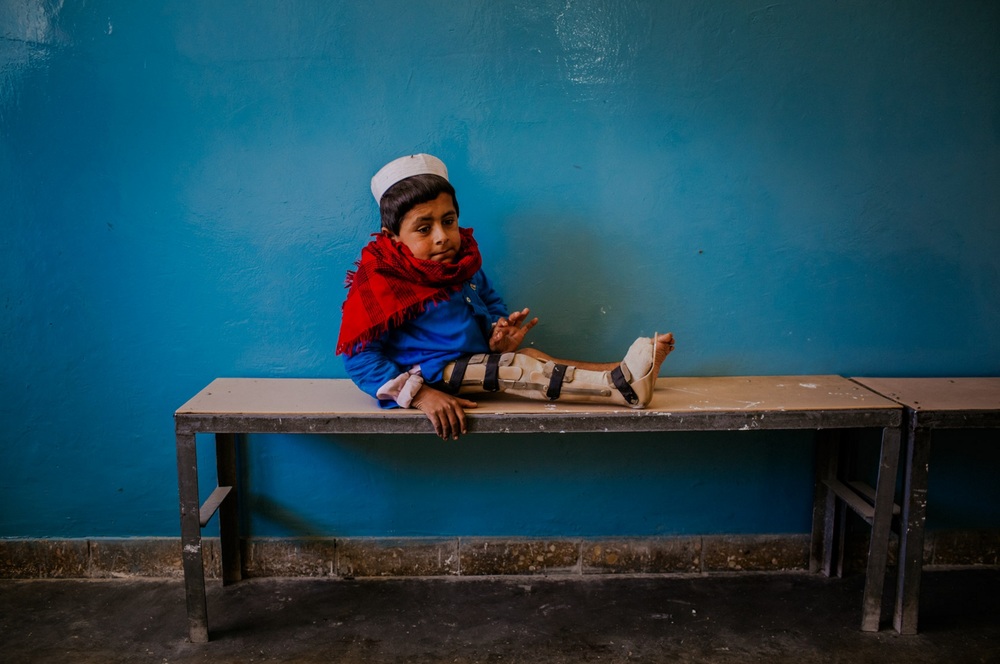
column 491, row 380
column 618, row 378
column 556, row 381
column 458, row 373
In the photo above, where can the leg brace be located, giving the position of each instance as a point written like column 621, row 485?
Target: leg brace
column 629, row 384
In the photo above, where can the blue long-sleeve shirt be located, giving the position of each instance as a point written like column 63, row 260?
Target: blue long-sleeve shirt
column 445, row 331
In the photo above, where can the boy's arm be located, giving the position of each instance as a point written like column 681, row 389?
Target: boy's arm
column 494, row 303
column 381, row 378
column 507, row 332
column 384, row 380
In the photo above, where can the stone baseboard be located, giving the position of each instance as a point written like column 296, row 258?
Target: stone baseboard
column 485, row 556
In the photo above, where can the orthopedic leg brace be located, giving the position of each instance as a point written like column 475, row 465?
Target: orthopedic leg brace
column 630, row 384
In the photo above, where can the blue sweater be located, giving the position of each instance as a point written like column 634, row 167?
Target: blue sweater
column 442, row 333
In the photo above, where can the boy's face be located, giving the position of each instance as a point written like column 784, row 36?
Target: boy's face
column 430, row 230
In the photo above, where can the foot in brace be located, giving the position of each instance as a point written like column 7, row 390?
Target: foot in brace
column 636, row 379
column 628, row 383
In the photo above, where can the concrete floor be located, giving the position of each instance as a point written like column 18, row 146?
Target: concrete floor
column 785, row 617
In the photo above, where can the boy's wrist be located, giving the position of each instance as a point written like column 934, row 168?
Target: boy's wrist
column 405, row 399
column 403, row 388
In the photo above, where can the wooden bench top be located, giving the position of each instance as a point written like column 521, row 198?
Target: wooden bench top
column 944, row 402
column 298, row 405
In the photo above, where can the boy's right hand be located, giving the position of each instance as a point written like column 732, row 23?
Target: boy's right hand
column 508, row 332
column 445, row 411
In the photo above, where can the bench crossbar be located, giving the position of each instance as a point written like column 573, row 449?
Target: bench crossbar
column 852, row 498
column 211, row 506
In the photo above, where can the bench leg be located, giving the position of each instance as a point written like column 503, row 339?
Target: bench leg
column 911, row 541
column 878, row 551
column 824, row 503
column 191, row 554
column 229, row 514
column 840, row 530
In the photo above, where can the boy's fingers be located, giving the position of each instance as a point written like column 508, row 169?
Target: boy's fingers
column 436, row 423
column 445, row 432
column 456, row 423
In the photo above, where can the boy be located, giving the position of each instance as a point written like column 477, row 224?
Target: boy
column 422, row 323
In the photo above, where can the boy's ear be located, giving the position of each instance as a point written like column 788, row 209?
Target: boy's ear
column 389, row 234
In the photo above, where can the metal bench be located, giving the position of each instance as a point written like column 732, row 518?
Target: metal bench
column 931, row 403
column 231, row 406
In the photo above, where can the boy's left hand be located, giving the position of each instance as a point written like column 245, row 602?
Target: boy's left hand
column 508, row 333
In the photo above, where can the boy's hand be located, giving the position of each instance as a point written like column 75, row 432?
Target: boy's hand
column 508, row 332
column 446, row 412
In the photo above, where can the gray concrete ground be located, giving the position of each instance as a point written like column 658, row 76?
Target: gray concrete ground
column 781, row 617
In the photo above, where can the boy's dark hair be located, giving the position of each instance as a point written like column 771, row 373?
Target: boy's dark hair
column 403, row 196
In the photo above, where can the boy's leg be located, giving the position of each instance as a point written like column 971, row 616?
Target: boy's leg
column 589, row 366
column 664, row 344
column 535, row 375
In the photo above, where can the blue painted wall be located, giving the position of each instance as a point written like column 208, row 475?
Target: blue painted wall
column 789, row 188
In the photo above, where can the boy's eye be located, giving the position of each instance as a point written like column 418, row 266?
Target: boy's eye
column 423, row 230
column 449, row 221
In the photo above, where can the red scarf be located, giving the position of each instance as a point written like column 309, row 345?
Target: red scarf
column 390, row 287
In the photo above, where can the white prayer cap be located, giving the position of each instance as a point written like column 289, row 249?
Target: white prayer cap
column 405, row 167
